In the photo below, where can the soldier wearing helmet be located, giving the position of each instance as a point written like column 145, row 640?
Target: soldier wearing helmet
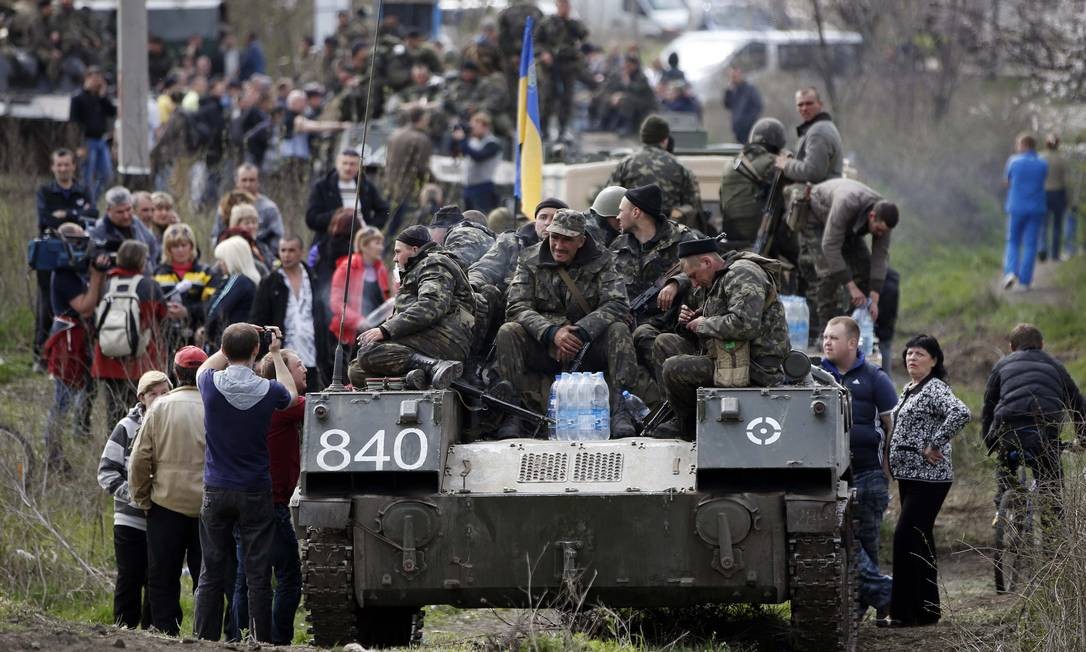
column 745, row 184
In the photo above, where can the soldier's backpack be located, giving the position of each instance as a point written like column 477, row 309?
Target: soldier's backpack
column 117, row 319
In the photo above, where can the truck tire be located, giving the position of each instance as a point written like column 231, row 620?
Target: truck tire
column 822, row 576
column 328, row 587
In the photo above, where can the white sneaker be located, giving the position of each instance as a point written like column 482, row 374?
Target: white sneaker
column 1009, row 280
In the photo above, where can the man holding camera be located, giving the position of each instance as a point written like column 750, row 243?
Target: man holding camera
column 119, row 224
column 238, row 407
column 60, row 201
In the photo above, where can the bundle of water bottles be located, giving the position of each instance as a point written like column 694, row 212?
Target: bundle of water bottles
column 580, row 407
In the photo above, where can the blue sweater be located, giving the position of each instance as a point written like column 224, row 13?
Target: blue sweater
column 873, row 394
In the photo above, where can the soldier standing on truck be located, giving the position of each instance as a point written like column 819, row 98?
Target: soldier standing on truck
column 654, row 164
column 430, row 331
column 740, row 326
column 745, row 185
column 645, row 252
column 566, row 295
column 833, row 252
column 558, row 40
column 511, row 21
column 819, row 153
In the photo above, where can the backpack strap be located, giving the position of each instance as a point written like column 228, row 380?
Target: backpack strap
column 574, row 290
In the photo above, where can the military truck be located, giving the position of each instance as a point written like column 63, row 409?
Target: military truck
column 400, row 512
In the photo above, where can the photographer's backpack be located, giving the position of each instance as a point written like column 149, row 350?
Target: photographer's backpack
column 117, row 319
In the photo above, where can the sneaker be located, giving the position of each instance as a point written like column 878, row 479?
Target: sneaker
column 1009, row 280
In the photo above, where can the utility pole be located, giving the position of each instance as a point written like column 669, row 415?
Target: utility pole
column 134, row 158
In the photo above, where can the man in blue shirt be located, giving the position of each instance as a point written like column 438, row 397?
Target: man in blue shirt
column 873, row 399
column 238, row 407
column 1026, row 208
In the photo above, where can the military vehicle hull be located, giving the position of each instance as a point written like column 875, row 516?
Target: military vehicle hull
column 753, row 511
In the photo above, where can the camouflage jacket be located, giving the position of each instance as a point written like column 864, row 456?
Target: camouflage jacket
column 434, row 296
column 539, row 299
column 737, row 307
column 742, row 199
column 351, row 101
column 655, row 165
column 640, row 265
column 499, row 263
column 561, row 37
column 463, row 99
column 511, row 22
column 467, row 242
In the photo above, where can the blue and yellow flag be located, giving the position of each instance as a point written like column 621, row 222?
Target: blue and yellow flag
column 529, row 183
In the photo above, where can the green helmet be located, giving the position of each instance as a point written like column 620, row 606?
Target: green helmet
column 769, row 133
column 606, row 204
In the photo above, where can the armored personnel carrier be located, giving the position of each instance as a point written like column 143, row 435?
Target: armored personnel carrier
column 399, row 512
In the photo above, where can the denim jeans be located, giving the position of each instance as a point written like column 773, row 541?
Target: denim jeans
column 98, row 167
column 288, row 580
column 1020, row 254
column 872, row 497
column 253, row 514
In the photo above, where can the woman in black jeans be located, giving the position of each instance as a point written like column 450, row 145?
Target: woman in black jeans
column 927, row 416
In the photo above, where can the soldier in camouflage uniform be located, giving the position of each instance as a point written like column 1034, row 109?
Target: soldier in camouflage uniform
column 351, row 29
column 352, row 100
column 464, row 96
column 625, row 98
column 654, row 164
column 603, row 215
column 547, row 324
column 511, row 21
column 403, row 56
column 464, row 240
column 559, row 63
column 431, row 328
column 744, row 186
column 491, row 275
column 740, row 305
column 645, row 252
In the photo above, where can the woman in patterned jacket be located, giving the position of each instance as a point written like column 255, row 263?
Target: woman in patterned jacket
column 927, row 416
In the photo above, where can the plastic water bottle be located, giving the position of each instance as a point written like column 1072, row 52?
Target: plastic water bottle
column 799, row 318
column 552, row 408
column 585, row 421
column 635, row 407
column 601, row 408
column 564, row 409
column 867, row 329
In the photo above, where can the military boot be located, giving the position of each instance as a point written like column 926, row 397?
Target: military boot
column 670, row 429
column 438, row 373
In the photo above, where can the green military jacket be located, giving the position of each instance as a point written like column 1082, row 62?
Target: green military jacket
column 561, row 37
column 640, row 265
column 462, row 99
column 434, row 297
column 742, row 198
column 678, row 184
column 539, row 299
column 742, row 305
column 467, row 242
column 499, row 263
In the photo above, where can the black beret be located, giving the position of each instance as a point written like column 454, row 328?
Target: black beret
column 414, row 236
column 446, row 216
column 697, row 247
column 549, row 202
column 648, row 198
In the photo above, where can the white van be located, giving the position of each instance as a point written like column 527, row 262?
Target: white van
column 706, row 55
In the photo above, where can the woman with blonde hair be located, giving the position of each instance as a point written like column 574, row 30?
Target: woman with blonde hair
column 234, row 296
column 162, row 214
column 186, row 283
column 370, row 285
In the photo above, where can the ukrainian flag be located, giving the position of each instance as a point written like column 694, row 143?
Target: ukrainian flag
column 529, row 182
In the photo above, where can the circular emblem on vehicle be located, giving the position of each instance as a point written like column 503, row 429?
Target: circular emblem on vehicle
column 763, row 431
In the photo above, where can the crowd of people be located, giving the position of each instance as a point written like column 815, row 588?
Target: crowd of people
column 205, row 363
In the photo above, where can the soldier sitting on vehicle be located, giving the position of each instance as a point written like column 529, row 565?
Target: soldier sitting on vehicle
column 429, row 333
column 464, row 240
column 645, row 253
column 740, row 327
column 603, row 215
column 566, row 295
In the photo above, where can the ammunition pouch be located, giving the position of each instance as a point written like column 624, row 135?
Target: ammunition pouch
column 731, row 362
column 799, row 206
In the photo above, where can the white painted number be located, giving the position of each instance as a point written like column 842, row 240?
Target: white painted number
column 397, row 450
column 340, row 448
column 379, row 458
column 373, row 451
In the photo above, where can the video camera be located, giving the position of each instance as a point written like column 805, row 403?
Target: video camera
column 52, row 251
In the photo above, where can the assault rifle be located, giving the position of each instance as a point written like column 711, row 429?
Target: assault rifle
column 503, row 405
column 771, row 216
column 649, row 295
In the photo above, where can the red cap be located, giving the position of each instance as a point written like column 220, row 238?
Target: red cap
column 189, row 357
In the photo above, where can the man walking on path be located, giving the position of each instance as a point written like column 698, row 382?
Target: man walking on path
column 1024, row 177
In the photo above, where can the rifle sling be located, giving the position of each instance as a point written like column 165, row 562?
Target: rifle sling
column 574, row 290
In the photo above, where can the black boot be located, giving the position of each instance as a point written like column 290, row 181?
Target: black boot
column 439, row 373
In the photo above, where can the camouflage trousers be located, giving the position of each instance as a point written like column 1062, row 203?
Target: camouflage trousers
column 650, row 377
column 557, row 96
column 528, row 366
column 825, row 296
column 393, row 358
column 683, row 375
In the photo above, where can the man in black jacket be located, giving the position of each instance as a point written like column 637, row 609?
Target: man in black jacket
column 287, row 299
column 1028, row 397
column 338, row 189
column 61, row 200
